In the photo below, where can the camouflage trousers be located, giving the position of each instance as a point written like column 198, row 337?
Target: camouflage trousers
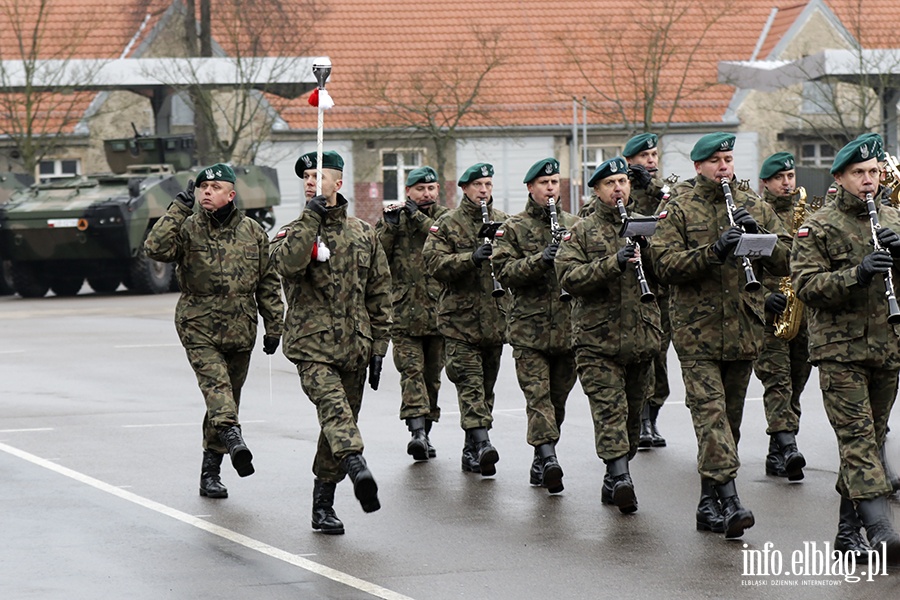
column 616, row 394
column 220, row 375
column 473, row 369
column 337, row 395
column 714, row 392
column 660, row 371
column 420, row 360
column 783, row 368
column 858, row 402
column 546, row 380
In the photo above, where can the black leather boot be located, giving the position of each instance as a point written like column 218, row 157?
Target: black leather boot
column 431, row 451
column 709, row 511
column 622, row 487
column 418, row 445
column 536, row 474
column 876, row 518
column 889, row 472
column 485, row 453
column 324, row 518
column 656, row 438
column 364, row 486
column 793, row 460
column 469, row 456
column 737, row 518
column 606, row 492
column 848, row 538
column 646, row 438
column 775, row 460
column 241, row 457
column 210, row 482
column 552, row 472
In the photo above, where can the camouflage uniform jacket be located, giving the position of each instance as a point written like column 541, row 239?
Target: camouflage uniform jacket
column 415, row 293
column 537, row 318
column 225, row 276
column 712, row 316
column 466, row 309
column 339, row 311
column 607, row 313
column 847, row 322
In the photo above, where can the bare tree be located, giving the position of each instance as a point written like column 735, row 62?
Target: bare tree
column 433, row 102
column 643, row 77
column 231, row 124
column 36, row 122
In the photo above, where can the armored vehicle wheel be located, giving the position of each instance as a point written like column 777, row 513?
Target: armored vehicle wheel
column 66, row 286
column 104, row 284
column 147, row 276
column 27, row 282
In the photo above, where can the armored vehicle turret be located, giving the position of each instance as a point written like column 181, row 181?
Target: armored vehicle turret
column 56, row 234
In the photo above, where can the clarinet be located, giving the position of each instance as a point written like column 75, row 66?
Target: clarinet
column 752, row 283
column 498, row 291
column 556, row 233
column 893, row 309
column 646, row 294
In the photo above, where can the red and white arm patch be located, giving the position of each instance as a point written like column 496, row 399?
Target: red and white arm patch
column 663, row 215
column 499, row 233
column 433, row 229
column 567, row 235
column 803, row 232
column 282, row 233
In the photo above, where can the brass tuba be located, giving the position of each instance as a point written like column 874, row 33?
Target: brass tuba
column 890, row 178
column 787, row 324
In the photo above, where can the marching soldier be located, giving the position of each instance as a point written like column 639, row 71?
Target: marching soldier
column 717, row 324
column 338, row 289
column 471, row 320
column 223, row 269
column 418, row 347
column 783, row 366
column 842, row 277
column 615, row 335
column 538, row 324
column 647, row 191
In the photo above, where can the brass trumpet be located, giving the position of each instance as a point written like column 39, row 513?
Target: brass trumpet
column 893, row 309
column 498, row 291
column 752, row 283
column 556, row 233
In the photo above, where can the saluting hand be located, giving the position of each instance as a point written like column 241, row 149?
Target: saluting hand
column 187, row 196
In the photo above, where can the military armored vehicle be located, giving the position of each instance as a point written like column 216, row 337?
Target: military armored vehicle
column 59, row 233
column 9, row 184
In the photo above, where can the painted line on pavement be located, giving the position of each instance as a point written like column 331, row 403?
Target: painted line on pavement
column 26, row 430
column 144, row 425
column 222, row 532
column 148, row 346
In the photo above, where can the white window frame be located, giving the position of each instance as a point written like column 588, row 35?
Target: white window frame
column 818, row 159
column 58, row 172
column 402, row 170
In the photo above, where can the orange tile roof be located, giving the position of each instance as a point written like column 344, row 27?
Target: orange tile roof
column 784, row 18
column 540, row 46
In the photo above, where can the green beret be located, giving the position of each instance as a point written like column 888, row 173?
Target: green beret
column 476, row 171
column 879, row 144
column 217, row 172
column 639, row 143
column 859, row 150
column 613, row 166
column 330, row 160
column 547, row 166
column 421, row 175
column 778, row 162
column 711, row 143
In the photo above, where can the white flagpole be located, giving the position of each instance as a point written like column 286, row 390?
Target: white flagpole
column 321, row 70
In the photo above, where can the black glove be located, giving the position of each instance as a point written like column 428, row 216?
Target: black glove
column 890, row 241
column 481, row 254
column 375, row 371
column 392, row 216
column 727, row 242
column 317, row 205
column 625, row 252
column 743, row 219
column 641, row 241
column 410, row 207
column 549, row 253
column 776, row 303
column 187, row 196
column 877, row 262
column 270, row 344
column 640, row 177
